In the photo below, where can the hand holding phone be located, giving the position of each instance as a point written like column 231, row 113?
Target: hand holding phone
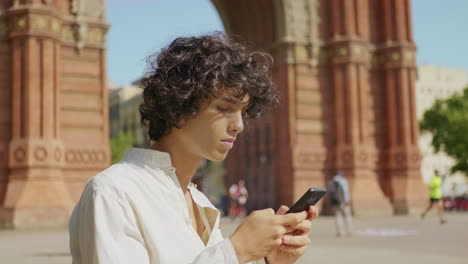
column 310, row 197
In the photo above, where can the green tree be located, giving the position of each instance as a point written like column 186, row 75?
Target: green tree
column 447, row 121
column 119, row 144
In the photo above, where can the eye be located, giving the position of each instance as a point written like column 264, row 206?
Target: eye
column 222, row 109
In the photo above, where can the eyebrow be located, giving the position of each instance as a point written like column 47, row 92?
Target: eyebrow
column 230, row 100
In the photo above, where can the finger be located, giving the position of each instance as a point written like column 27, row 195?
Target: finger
column 279, row 231
column 289, row 230
column 312, row 213
column 298, row 241
column 294, row 250
column 304, row 226
column 282, row 210
column 267, row 211
column 292, row 219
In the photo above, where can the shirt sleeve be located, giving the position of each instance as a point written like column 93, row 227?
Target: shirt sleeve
column 105, row 232
column 223, row 252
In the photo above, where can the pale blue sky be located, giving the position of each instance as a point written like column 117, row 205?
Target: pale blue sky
column 142, row 27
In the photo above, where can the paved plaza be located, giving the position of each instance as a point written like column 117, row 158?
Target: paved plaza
column 378, row 240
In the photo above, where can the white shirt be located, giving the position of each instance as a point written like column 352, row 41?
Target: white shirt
column 135, row 212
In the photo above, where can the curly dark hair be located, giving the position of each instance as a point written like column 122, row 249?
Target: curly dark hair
column 191, row 70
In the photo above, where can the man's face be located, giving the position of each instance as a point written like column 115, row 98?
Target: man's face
column 211, row 133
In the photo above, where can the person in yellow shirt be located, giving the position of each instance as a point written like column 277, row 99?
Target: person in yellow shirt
column 435, row 194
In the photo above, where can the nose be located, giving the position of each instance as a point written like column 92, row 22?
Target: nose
column 237, row 123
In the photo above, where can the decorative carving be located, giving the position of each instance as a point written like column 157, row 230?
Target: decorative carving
column 85, row 156
column 21, row 22
column 342, row 52
column 311, row 158
column 19, row 154
column 304, row 158
column 95, row 36
column 79, row 30
column 39, row 23
column 93, row 156
column 395, row 56
column 362, row 157
column 400, row 54
column 409, row 57
column 70, row 156
column 101, row 156
column 415, row 157
column 40, row 153
column 57, row 154
column 88, row 8
column 67, row 33
column 34, row 152
column 301, row 26
column 82, row 10
column 55, row 26
column 356, row 50
column 347, row 156
column 399, row 157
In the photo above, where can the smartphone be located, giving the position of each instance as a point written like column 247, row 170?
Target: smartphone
column 310, row 197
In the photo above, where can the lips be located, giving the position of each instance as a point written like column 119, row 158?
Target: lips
column 228, row 143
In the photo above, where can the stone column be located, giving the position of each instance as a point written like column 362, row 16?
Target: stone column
column 348, row 53
column 35, row 194
column 289, row 31
column 5, row 101
column 56, row 120
column 296, row 50
column 396, row 56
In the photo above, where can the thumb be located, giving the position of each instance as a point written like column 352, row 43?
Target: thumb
column 282, row 210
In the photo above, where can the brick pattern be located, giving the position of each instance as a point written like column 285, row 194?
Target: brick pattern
column 395, row 57
column 57, row 110
column 335, row 107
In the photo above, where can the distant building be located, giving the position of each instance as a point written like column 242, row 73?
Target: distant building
column 433, row 83
column 123, row 113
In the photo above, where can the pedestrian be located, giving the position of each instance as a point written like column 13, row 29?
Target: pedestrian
column 144, row 209
column 338, row 193
column 435, row 197
column 238, row 194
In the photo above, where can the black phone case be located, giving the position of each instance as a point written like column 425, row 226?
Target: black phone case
column 310, row 197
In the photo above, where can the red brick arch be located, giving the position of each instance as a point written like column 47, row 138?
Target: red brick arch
column 345, row 69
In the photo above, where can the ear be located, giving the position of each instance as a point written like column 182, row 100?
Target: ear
column 184, row 119
column 181, row 122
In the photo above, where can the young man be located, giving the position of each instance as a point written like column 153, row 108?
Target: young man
column 435, row 197
column 338, row 191
column 144, row 209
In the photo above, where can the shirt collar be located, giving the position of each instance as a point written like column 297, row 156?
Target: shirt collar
column 162, row 160
column 154, row 158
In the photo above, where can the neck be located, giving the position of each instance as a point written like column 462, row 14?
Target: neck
column 185, row 163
